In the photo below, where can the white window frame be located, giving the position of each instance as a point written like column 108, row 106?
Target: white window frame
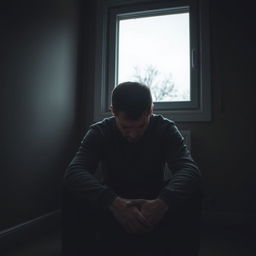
column 109, row 11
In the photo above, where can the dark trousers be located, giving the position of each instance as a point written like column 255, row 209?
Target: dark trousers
column 93, row 232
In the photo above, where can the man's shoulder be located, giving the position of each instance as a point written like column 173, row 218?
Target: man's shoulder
column 161, row 122
column 165, row 129
column 104, row 126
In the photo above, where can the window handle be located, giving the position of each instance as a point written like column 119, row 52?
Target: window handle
column 193, row 60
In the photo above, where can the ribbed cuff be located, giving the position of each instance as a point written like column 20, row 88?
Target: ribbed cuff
column 108, row 196
column 171, row 199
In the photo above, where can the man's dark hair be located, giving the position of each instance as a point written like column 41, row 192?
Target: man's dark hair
column 132, row 98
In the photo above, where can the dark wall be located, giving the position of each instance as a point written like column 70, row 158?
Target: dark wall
column 39, row 105
column 225, row 147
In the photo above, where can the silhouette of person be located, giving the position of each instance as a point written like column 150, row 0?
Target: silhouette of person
column 132, row 207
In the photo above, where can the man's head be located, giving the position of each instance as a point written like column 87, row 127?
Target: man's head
column 132, row 107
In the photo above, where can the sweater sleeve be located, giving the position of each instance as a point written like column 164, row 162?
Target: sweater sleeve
column 79, row 176
column 186, row 176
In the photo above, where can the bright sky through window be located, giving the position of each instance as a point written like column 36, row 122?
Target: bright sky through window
column 156, row 50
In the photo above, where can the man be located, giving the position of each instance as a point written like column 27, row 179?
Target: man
column 132, row 208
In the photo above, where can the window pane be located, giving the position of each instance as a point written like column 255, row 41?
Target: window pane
column 155, row 50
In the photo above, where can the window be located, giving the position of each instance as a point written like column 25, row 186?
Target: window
column 162, row 44
column 154, row 50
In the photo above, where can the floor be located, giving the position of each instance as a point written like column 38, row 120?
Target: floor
column 216, row 240
column 228, row 241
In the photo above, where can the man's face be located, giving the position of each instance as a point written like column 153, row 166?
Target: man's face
column 132, row 130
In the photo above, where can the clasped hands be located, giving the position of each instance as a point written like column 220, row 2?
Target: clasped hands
column 138, row 215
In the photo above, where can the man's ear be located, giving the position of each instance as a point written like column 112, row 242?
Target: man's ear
column 150, row 112
column 112, row 110
column 152, row 109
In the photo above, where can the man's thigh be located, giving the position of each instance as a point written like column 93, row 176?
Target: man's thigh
column 81, row 226
column 179, row 231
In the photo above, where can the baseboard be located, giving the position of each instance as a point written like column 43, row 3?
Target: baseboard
column 28, row 230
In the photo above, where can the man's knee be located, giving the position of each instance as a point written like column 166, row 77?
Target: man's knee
column 179, row 230
column 79, row 225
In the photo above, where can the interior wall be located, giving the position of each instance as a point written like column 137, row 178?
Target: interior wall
column 224, row 147
column 39, row 105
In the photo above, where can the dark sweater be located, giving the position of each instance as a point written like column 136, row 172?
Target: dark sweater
column 132, row 170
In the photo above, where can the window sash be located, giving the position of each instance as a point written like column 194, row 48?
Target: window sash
column 151, row 14
column 116, row 15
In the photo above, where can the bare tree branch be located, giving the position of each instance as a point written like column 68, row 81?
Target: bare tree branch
column 160, row 88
